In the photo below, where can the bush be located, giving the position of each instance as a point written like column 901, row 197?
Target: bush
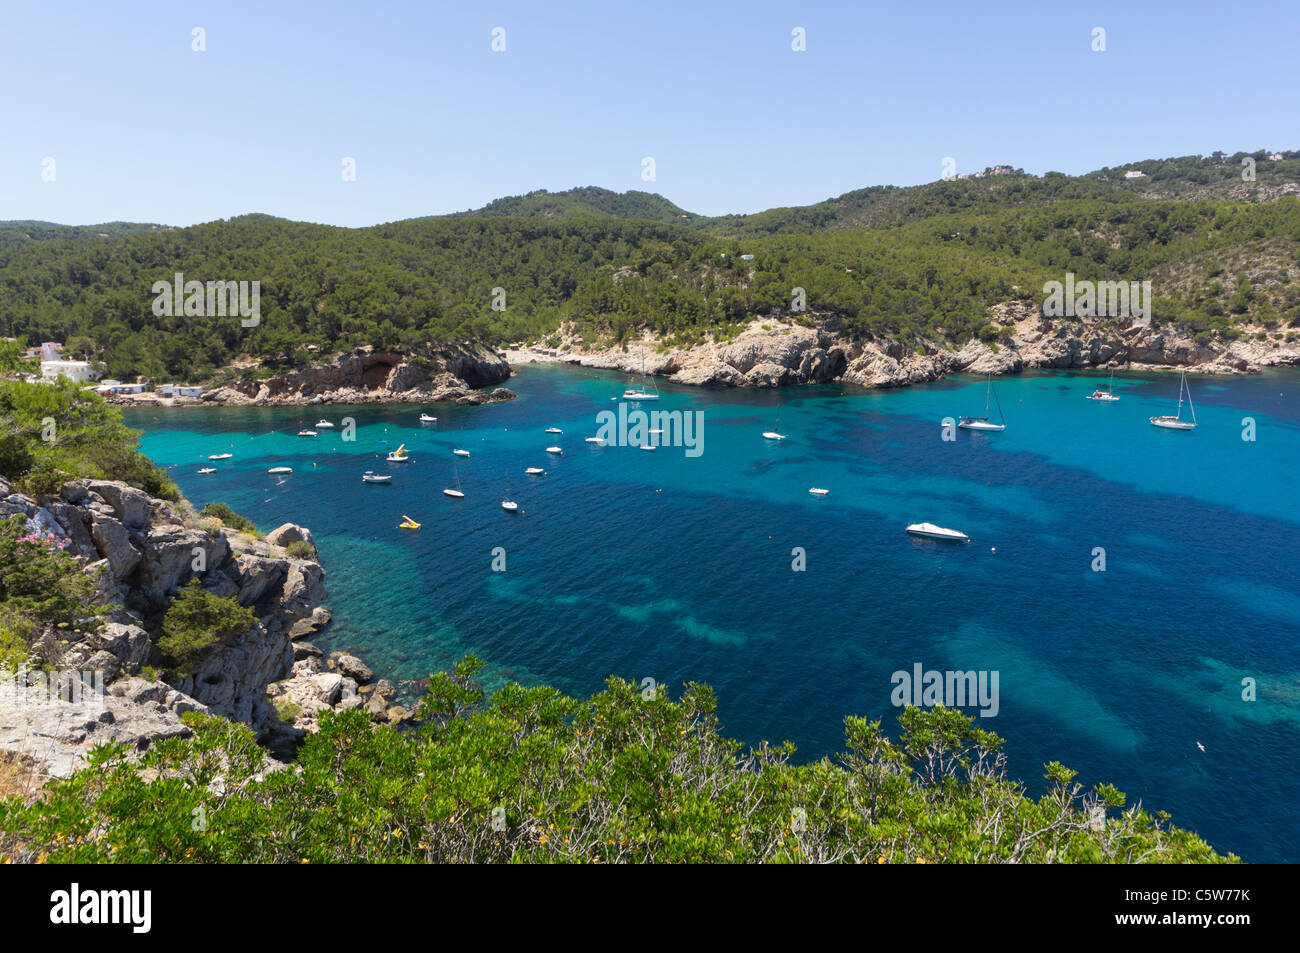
column 228, row 517
column 196, row 623
column 301, row 549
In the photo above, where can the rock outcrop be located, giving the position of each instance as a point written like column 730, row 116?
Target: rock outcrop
column 772, row 352
column 141, row 551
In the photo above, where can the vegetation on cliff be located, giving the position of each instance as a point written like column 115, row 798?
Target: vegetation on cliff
column 622, row 776
column 905, row 263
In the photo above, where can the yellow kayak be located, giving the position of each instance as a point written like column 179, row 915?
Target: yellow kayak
column 408, row 523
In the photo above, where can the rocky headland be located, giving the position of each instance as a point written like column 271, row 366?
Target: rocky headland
column 140, row 551
column 773, row 352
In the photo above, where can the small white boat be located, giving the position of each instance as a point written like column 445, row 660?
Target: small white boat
column 306, row 433
column 461, row 453
column 509, row 505
column 398, row 458
column 1106, row 396
column 984, row 423
column 220, row 456
column 1176, row 422
column 324, row 425
column 455, row 494
column 773, row 435
column 370, row 476
column 426, row 419
column 556, row 450
column 631, row 394
column 930, row 531
column 280, row 470
column 647, row 446
column 554, row 430
column 207, row 469
column 818, row 491
column 600, row 441
column 535, row 471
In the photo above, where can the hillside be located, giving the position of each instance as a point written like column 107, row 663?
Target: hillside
column 583, row 202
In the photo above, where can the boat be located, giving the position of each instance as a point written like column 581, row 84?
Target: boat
column 1176, row 422
column 1106, row 396
column 461, row 453
column 983, row 423
column 407, row 523
column 207, row 469
column 220, row 456
column 596, row 440
column 554, row 430
column 280, row 470
column 930, row 531
column 647, row 446
column 400, row 455
column 509, row 505
column 457, row 493
column 324, row 425
column 774, row 434
column 306, row 433
column 426, row 419
column 554, row 450
column 535, row 471
column 818, row 491
column 642, row 392
column 370, row 476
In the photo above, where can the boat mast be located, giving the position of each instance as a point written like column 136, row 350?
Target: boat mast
column 1181, row 382
column 1189, row 398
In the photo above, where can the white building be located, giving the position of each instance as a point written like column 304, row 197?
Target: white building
column 117, row 387
column 1135, row 174
column 1276, row 157
column 76, row 371
column 179, row 390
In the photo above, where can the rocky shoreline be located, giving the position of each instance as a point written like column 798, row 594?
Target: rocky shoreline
column 140, row 550
column 780, row 352
column 464, row 374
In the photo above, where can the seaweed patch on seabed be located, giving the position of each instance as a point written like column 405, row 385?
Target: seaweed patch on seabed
column 1261, row 698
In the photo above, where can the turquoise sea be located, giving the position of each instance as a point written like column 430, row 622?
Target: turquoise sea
column 660, row 565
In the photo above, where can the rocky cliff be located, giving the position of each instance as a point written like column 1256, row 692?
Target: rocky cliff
column 779, row 353
column 368, row 375
column 140, row 551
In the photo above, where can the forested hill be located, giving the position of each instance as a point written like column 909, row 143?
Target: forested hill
column 900, row 263
column 585, row 202
column 13, row 233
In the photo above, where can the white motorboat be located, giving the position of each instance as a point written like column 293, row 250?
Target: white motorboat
column 306, row 433
column 280, row 470
column 324, row 425
column 1176, row 422
column 984, row 423
column 600, row 441
column 647, row 446
column 554, row 430
column 773, row 435
column 396, row 457
column 461, row 453
column 555, row 450
column 535, row 471
column 207, row 469
column 220, row 456
column 455, row 494
column 370, row 476
column 509, row 505
column 427, row 419
column 930, row 531
column 818, row 491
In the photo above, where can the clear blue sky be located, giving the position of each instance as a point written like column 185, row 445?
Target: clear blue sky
column 142, row 128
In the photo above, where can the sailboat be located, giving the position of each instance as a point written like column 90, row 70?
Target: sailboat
column 509, row 505
column 1107, row 395
column 775, row 434
column 983, row 423
column 1176, row 422
column 456, row 493
column 643, row 392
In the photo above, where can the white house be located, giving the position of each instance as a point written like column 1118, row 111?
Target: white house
column 1276, row 157
column 746, row 257
column 1135, row 174
column 117, row 387
column 179, row 390
column 76, row 371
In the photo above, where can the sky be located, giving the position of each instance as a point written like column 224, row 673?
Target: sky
column 141, row 126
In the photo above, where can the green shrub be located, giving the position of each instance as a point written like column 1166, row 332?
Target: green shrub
column 228, row 517
column 196, row 623
column 301, row 549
